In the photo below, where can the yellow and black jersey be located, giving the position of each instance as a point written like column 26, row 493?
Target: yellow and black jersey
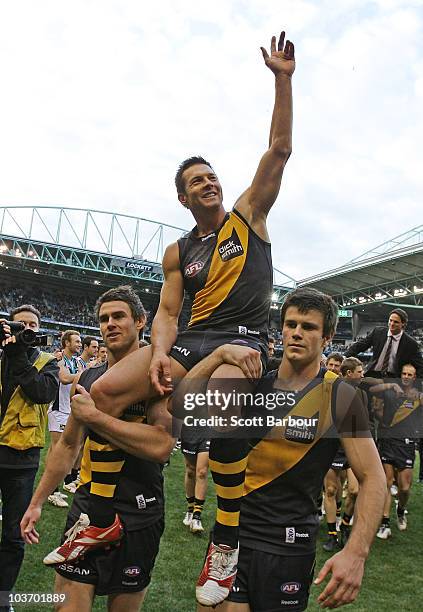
column 287, row 464
column 138, row 498
column 228, row 275
column 402, row 418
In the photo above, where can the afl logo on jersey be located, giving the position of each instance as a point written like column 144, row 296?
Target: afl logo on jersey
column 291, row 587
column 132, row 571
column 231, row 247
column 193, row 268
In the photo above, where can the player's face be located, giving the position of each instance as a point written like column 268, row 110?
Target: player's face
column 356, row 374
column 333, row 365
column 93, row 349
column 74, row 344
column 102, row 354
column 408, row 375
column 202, row 188
column 29, row 319
column 302, row 334
column 117, row 326
column 395, row 324
column 271, row 348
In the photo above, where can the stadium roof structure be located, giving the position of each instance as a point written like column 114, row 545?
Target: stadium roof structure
column 93, row 246
column 391, row 273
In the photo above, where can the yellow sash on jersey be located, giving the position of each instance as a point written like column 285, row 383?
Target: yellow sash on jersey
column 274, row 455
column 404, row 411
column 222, row 275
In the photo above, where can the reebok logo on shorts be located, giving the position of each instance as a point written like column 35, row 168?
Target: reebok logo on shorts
column 231, row 247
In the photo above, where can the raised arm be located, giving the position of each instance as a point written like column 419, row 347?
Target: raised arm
column 165, row 324
column 255, row 203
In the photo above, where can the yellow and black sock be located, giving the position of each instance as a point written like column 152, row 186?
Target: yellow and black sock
column 106, row 465
column 190, row 502
column 332, row 529
column 198, row 508
column 227, row 462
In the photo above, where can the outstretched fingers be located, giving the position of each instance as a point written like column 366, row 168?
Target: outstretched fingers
column 281, row 41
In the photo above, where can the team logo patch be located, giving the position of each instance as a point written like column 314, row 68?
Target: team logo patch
column 231, row 247
column 132, row 571
column 290, row 588
column 193, row 269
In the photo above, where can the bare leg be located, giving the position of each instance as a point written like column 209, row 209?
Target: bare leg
column 332, row 486
column 405, row 478
column 127, row 382
column 78, row 596
column 130, row 602
column 201, row 471
column 389, row 472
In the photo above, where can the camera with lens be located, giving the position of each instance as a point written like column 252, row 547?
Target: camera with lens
column 25, row 337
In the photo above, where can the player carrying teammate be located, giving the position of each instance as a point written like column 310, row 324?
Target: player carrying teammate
column 225, row 264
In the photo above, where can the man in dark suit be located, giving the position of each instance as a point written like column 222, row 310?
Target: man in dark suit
column 392, row 348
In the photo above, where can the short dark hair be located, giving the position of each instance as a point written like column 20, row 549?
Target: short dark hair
column 350, row 363
column 187, row 163
column 87, row 340
column 26, row 308
column 66, row 336
column 402, row 315
column 123, row 293
column 307, row 298
column 336, row 357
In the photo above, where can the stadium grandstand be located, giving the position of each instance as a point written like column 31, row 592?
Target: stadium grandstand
column 62, row 259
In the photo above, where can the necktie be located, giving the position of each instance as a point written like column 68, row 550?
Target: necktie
column 385, row 364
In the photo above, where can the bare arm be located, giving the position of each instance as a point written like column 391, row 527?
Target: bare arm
column 165, row 325
column 255, row 203
column 65, row 377
column 347, row 566
column 152, row 441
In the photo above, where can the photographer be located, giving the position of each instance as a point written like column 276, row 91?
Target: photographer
column 29, row 380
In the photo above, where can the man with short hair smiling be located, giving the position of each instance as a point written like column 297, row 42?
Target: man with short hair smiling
column 141, row 440
column 29, row 382
column 89, row 353
column 392, row 348
column 224, row 264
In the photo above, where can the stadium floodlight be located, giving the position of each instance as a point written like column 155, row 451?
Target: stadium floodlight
column 400, row 292
column 3, row 248
column 417, row 289
column 274, row 296
column 97, row 282
column 380, row 296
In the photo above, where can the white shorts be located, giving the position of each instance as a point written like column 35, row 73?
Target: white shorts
column 57, row 420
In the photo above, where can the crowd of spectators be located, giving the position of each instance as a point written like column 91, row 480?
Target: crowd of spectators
column 62, row 307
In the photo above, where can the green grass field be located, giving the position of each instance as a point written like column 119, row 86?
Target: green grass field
column 393, row 578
